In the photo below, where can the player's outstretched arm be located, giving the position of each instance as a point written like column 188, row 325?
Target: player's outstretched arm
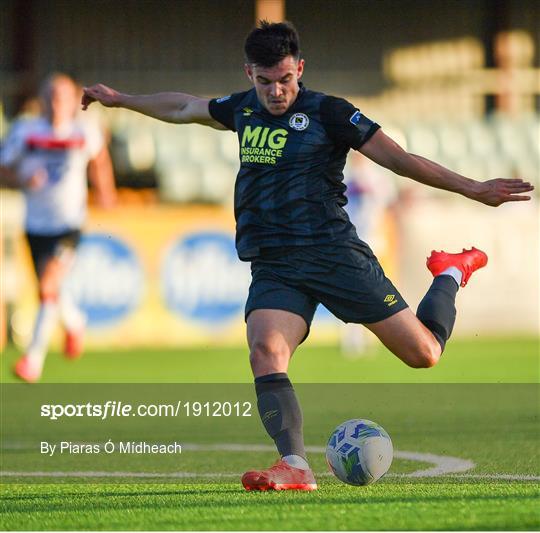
column 178, row 108
column 385, row 152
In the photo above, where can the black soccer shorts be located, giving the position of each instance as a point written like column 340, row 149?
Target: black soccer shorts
column 45, row 247
column 344, row 276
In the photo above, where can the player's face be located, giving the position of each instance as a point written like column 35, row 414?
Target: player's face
column 277, row 86
column 61, row 100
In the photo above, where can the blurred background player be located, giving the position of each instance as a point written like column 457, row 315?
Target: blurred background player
column 49, row 158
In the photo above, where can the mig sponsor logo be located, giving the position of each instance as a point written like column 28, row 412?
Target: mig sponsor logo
column 262, row 145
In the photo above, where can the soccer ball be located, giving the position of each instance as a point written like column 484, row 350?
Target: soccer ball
column 359, row 452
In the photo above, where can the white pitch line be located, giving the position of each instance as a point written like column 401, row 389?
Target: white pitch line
column 442, row 464
column 510, row 477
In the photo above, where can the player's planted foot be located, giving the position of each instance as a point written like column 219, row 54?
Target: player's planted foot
column 25, row 370
column 280, row 476
column 74, row 343
column 466, row 262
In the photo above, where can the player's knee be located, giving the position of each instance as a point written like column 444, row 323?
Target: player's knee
column 48, row 291
column 266, row 350
column 425, row 355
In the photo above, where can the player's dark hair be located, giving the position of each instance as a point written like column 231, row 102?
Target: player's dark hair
column 270, row 42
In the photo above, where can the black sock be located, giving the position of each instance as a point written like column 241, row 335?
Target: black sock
column 437, row 310
column 280, row 413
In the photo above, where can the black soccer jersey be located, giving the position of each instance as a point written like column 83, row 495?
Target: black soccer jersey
column 289, row 190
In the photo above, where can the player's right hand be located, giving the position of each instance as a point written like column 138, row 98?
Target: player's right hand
column 37, row 180
column 99, row 93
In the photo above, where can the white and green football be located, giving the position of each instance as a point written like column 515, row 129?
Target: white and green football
column 359, row 452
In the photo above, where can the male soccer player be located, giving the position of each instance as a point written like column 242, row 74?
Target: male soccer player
column 48, row 158
column 292, row 227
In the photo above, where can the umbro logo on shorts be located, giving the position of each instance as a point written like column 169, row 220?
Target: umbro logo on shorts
column 390, row 299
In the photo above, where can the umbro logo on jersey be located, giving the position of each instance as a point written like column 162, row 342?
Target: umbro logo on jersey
column 299, row 121
column 247, row 111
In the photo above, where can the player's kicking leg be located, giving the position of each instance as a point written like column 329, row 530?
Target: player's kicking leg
column 420, row 340
column 273, row 336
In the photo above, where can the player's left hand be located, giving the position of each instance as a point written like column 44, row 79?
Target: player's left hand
column 499, row 191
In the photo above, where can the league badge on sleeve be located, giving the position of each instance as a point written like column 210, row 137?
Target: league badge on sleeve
column 299, row 121
column 355, row 119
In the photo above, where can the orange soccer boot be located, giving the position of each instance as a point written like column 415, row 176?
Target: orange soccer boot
column 467, row 262
column 25, row 370
column 280, row 476
column 74, row 343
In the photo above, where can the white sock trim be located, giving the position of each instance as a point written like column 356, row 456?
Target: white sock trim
column 453, row 272
column 296, row 461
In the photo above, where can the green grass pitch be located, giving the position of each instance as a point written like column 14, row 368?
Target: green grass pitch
column 489, row 415
column 479, row 360
column 396, row 506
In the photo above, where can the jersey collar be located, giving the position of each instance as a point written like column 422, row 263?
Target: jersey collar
column 299, row 97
